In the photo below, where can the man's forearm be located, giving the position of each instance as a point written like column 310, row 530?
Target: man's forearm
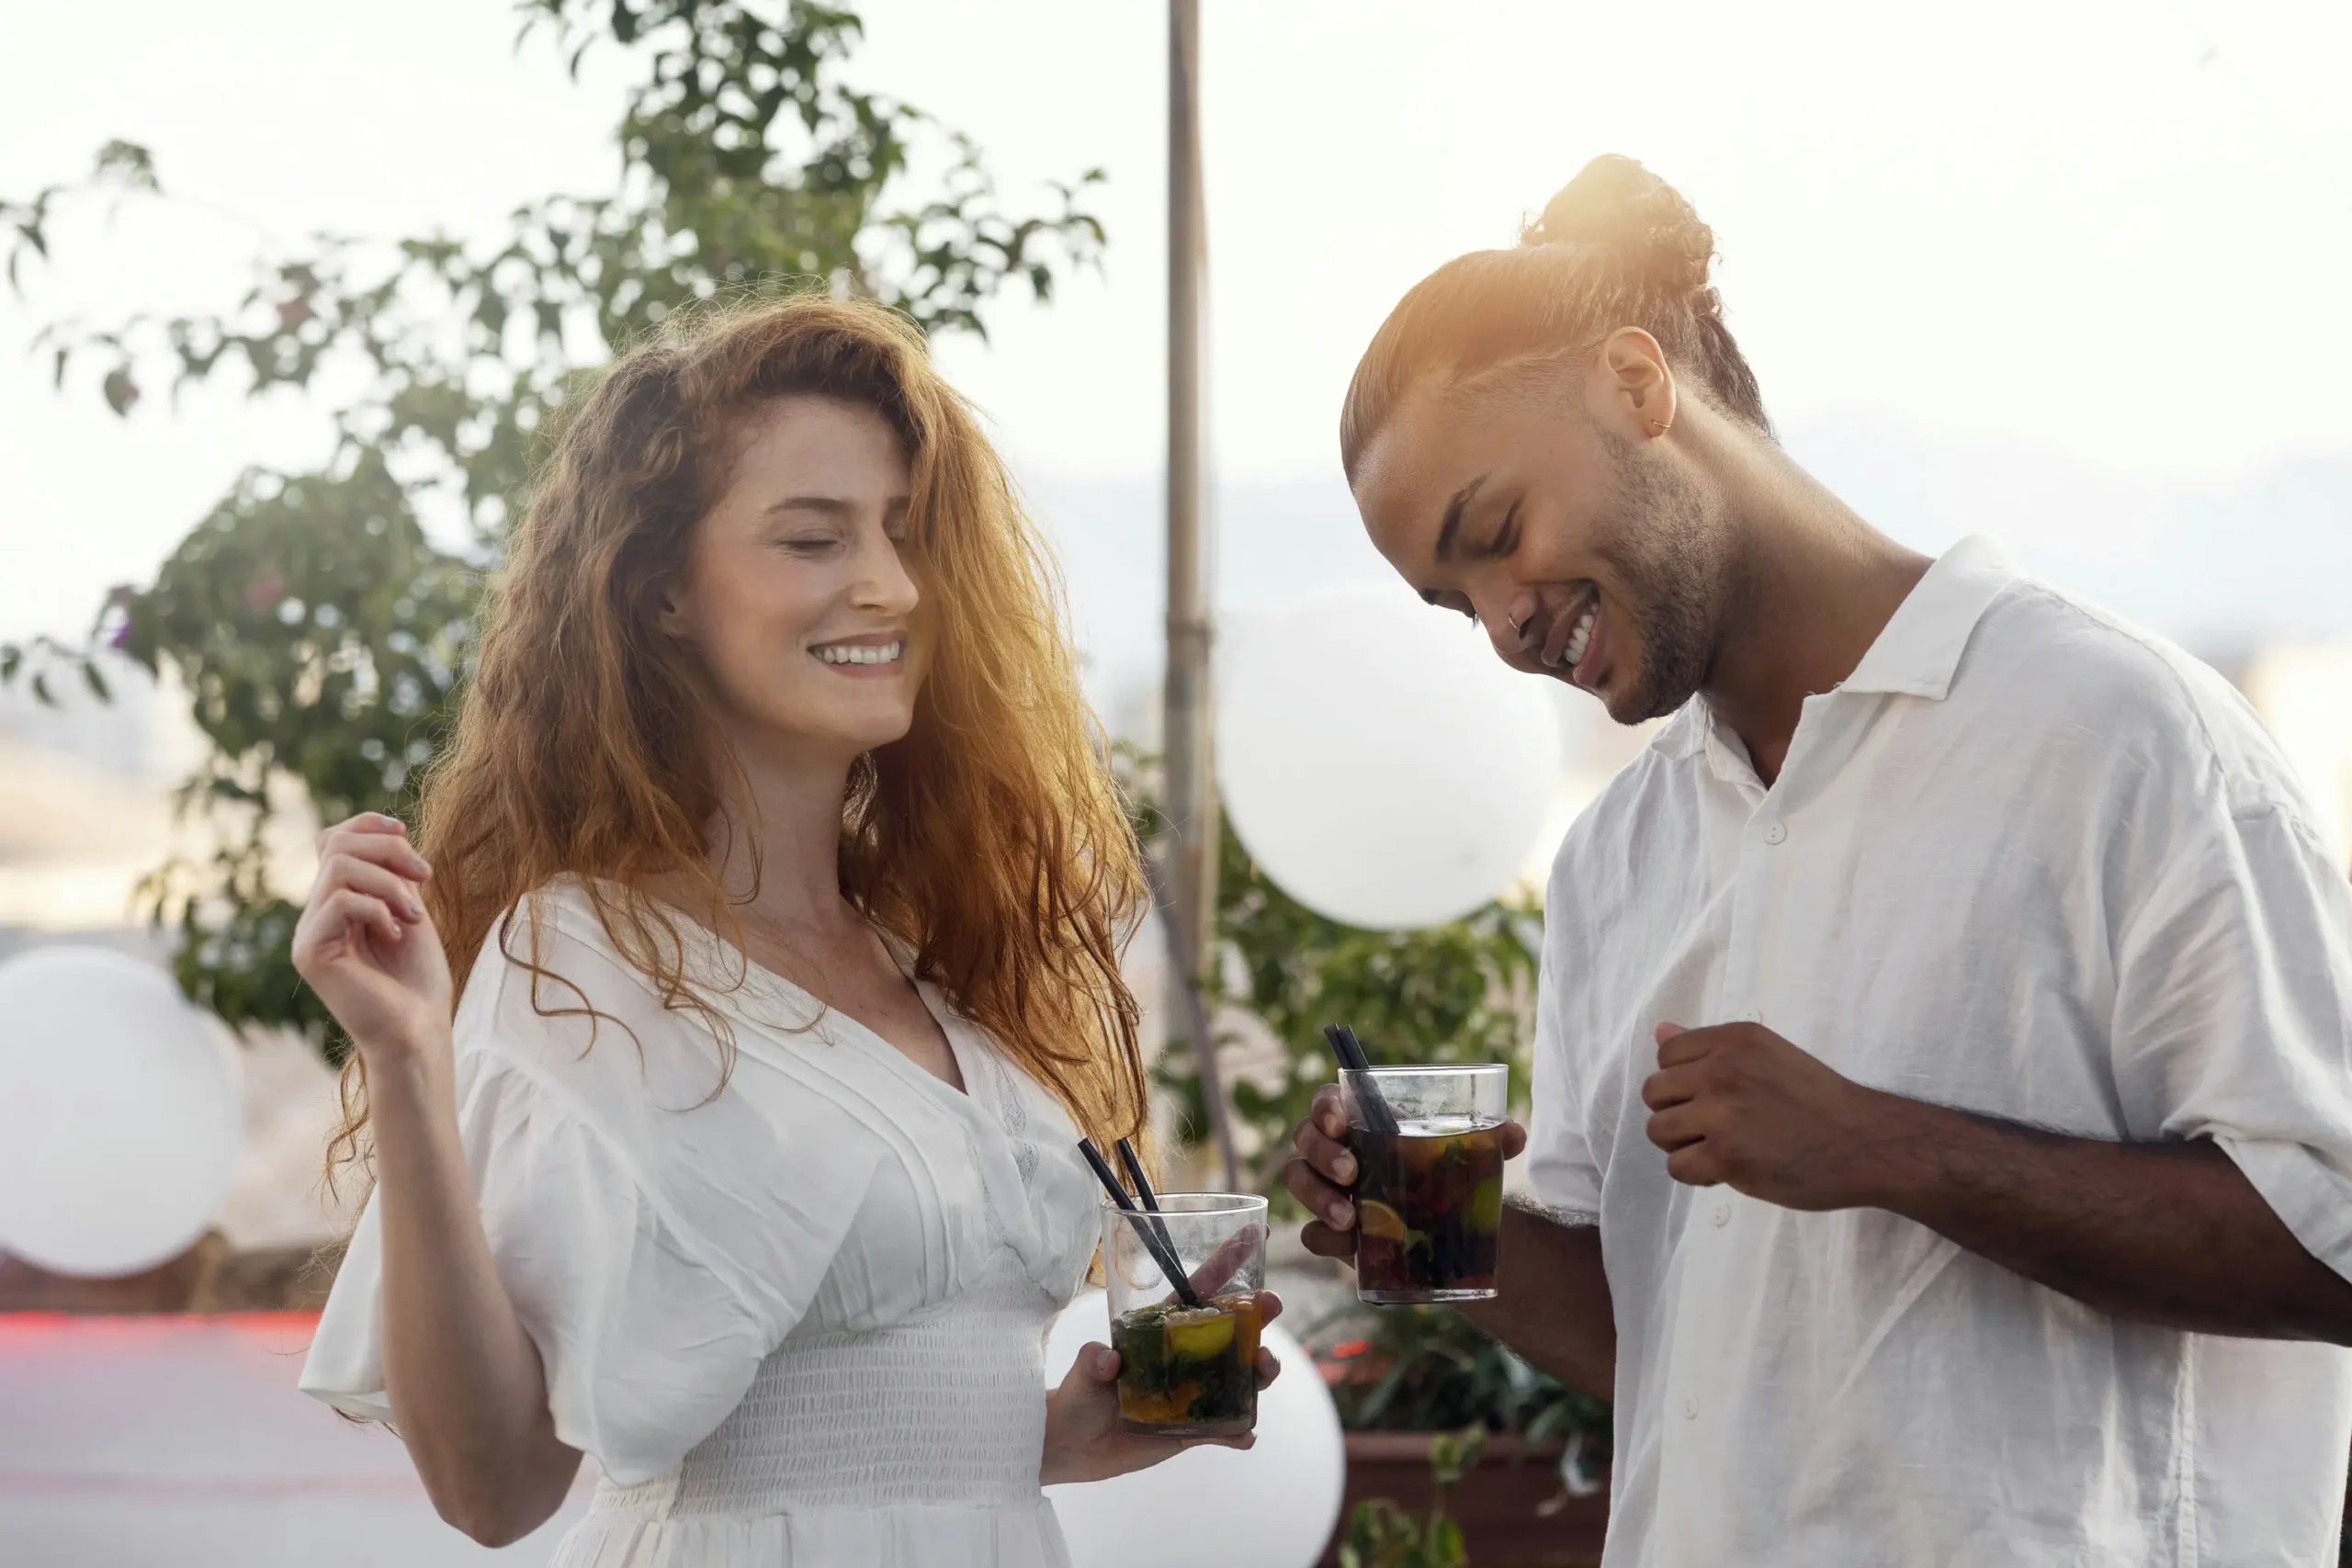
column 2170, row 1234
column 1554, row 1307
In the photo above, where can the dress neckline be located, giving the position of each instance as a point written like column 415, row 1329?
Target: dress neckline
column 826, row 1012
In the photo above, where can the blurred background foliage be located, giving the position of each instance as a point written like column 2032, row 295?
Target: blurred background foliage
column 321, row 622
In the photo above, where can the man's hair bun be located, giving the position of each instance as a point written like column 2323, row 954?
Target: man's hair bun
column 1616, row 206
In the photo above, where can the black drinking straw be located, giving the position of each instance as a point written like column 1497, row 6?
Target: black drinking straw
column 1145, row 1195
column 1350, row 1051
column 1163, row 1251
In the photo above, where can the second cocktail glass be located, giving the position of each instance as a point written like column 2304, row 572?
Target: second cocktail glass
column 1429, row 1181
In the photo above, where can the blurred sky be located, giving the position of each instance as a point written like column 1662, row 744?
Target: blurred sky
column 2107, row 238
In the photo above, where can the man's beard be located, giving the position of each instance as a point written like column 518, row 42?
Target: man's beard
column 1670, row 557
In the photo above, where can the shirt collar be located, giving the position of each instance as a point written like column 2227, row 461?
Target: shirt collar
column 1918, row 651
column 1915, row 654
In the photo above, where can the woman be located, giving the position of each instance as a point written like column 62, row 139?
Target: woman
column 784, row 882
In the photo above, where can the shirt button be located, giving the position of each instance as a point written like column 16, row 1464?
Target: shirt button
column 1722, row 1216
column 1754, row 1015
column 1689, row 1408
column 1775, row 833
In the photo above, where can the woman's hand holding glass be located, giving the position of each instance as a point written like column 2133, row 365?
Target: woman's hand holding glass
column 1084, row 1439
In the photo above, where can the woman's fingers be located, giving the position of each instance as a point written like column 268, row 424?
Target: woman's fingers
column 363, row 838
column 365, row 822
column 345, row 913
column 396, row 892
column 1270, row 1366
column 1218, row 1268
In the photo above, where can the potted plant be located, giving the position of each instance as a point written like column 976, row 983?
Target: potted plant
column 1380, row 1534
column 1413, row 1385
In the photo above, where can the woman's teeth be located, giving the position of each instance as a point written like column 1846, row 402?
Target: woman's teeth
column 859, row 653
column 1574, row 653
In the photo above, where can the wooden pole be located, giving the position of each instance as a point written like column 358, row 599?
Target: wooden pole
column 1190, row 781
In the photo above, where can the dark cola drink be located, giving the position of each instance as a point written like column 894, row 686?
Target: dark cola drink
column 1428, row 1211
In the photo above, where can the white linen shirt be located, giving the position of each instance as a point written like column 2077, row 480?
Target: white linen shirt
column 2030, row 862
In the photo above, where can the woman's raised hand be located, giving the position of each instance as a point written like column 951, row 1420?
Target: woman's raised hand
column 366, row 944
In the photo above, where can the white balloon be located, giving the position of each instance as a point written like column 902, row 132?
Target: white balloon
column 1380, row 762
column 1273, row 1506
column 120, row 1112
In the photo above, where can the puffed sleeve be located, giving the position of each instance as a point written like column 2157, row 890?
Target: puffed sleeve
column 2234, row 1015
column 657, row 1240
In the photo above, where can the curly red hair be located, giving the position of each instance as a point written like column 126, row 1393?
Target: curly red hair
column 992, row 840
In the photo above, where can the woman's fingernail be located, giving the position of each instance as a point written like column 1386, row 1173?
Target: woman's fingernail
column 415, row 910
column 1342, row 1215
column 1344, row 1168
column 387, row 820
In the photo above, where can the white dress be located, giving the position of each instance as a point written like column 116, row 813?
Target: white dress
column 797, row 1324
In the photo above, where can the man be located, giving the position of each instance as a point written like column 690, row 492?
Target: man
column 1944, row 1092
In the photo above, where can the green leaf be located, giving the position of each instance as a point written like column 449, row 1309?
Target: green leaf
column 41, row 689
column 95, row 681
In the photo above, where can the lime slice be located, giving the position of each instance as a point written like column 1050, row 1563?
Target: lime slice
column 1199, row 1341
column 1487, row 1205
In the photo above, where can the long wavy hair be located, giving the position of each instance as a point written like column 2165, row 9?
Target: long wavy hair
column 992, row 840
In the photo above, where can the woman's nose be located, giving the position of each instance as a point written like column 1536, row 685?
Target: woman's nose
column 884, row 583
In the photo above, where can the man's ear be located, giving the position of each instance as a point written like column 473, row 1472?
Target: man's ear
column 1630, row 388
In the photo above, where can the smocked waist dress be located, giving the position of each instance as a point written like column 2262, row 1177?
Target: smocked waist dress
column 799, row 1322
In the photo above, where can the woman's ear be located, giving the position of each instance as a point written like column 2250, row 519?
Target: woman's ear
column 670, row 613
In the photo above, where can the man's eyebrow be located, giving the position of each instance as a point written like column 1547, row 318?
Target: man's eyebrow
column 1453, row 510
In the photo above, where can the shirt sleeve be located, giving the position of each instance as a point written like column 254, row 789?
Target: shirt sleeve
column 655, row 1249
column 2233, row 1007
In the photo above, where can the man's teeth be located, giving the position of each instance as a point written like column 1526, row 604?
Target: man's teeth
column 1574, row 653
column 859, row 653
